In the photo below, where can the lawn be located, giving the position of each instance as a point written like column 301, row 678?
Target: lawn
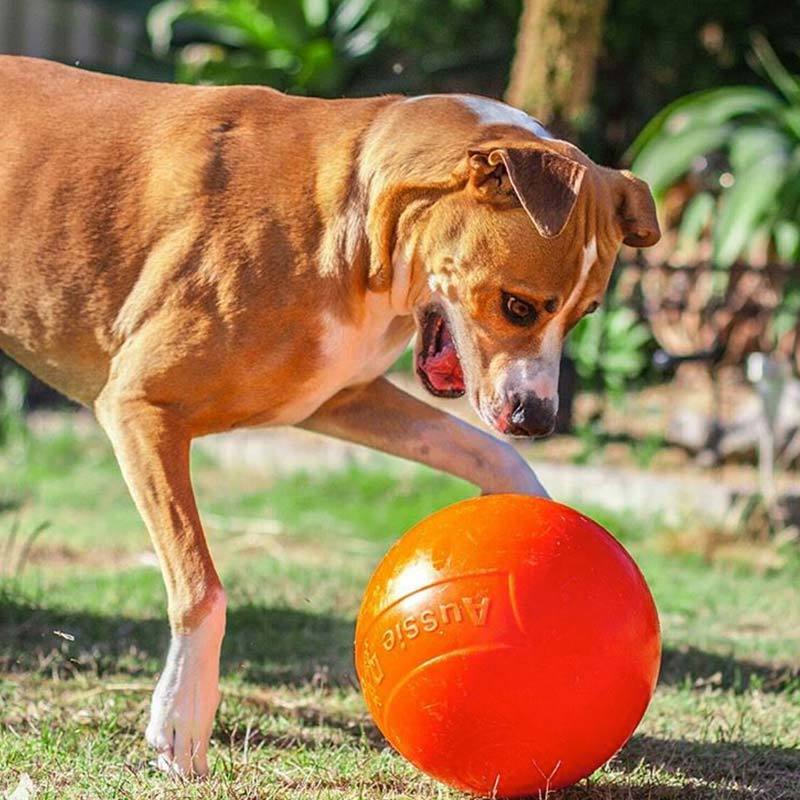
column 83, row 632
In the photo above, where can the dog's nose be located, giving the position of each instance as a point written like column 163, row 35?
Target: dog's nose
column 531, row 416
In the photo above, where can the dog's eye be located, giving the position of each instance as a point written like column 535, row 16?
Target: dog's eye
column 591, row 308
column 520, row 312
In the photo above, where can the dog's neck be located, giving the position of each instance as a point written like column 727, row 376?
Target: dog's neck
column 378, row 208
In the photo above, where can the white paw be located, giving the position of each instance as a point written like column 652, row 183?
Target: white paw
column 515, row 476
column 186, row 697
column 527, row 482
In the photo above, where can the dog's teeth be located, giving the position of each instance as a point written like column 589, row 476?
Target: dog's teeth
column 433, row 337
column 437, row 340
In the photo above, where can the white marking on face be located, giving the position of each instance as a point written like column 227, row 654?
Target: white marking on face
column 187, row 695
column 436, row 284
column 493, row 112
column 540, row 374
column 588, row 261
column 553, row 335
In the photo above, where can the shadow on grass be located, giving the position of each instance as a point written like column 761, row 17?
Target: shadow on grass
column 744, row 770
column 648, row 768
column 693, row 667
column 271, row 645
column 263, row 645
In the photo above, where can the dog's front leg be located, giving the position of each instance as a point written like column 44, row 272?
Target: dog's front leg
column 381, row 416
column 152, row 448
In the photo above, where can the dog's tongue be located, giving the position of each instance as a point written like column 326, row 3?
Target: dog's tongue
column 443, row 368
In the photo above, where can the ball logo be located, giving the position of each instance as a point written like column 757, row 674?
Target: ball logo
column 373, row 676
column 437, row 618
column 470, row 610
column 466, row 607
column 372, row 665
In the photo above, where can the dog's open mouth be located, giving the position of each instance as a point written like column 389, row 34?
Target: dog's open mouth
column 437, row 360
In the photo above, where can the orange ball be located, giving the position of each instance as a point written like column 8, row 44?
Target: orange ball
column 507, row 644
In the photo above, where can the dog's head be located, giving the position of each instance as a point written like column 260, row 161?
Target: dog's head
column 502, row 262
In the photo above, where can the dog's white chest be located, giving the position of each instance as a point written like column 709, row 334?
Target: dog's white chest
column 349, row 355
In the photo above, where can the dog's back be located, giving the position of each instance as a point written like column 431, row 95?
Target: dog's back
column 112, row 192
column 70, row 172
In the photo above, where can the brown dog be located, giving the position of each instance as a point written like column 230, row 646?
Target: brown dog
column 186, row 260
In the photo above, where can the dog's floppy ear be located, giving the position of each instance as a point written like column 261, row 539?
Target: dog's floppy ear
column 381, row 232
column 636, row 210
column 545, row 183
column 383, row 219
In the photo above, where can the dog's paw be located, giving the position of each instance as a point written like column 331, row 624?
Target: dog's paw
column 513, row 475
column 186, row 698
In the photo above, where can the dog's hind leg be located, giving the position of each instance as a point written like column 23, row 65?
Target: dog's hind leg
column 152, row 447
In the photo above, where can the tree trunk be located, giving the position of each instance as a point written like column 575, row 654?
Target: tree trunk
column 553, row 71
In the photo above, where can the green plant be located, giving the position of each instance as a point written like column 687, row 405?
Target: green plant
column 645, row 450
column 310, row 46
column 405, row 362
column 610, row 349
column 741, row 145
column 592, row 438
column 13, row 386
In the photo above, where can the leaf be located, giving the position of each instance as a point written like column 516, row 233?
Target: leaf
column 619, row 321
column 744, row 206
column 790, row 117
column 786, row 236
column 237, row 23
column 710, row 108
column 786, row 83
column 788, row 313
column 639, row 336
column 160, row 22
column 365, row 38
column 626, row 363
column 584, row 344
column 669, row 157
column 319, row 72
column 288, row 17
column 751, row 143
column 696, row 217
column 790, row 191
column 316, row 12
column 349, row 14
column 233, row 67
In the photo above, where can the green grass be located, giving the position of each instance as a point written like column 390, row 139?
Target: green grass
column 295, row 556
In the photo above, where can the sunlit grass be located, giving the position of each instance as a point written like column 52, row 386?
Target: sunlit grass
column 295, row 555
